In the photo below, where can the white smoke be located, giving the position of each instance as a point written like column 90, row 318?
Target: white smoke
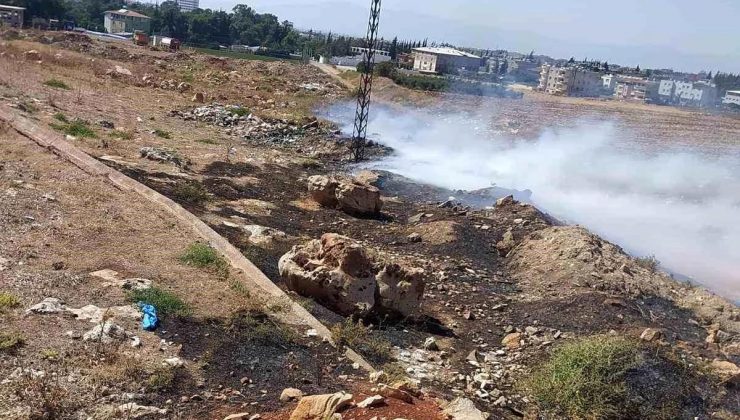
column 684, row 208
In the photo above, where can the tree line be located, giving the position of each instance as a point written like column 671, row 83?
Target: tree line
column 209, row 28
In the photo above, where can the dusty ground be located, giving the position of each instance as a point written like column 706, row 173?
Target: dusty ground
column 552, row 283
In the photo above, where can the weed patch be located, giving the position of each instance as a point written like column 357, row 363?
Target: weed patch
column 202, row 255
column 239, row 111
column 123, row 135
column 163, row 134
column 586, row 378
column 362, row 339
column 190, row 192
column 76, row 128
column 56, row 83
column 167, row 303
column 8, row 301
column 11, row 340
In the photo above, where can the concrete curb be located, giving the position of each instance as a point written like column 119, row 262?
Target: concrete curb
column 256, row 281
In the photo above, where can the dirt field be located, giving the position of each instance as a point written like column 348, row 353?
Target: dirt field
column 113, row 100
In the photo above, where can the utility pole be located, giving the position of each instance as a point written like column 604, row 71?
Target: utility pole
column 359, row 134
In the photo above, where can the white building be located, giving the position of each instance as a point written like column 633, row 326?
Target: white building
column 678, row 92
column 444, row 60
column 610, row 82
column 188, row 5
column 731, row 97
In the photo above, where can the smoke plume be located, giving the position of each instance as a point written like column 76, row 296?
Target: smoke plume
column 684, row 208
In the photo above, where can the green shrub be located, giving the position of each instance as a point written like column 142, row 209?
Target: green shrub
column 8, row 301
column 76, row 128
column 202, row 255
column 56, row 83
column 586, row 378
column 239, row 111
column 10, row 340
column 167, row 303
column 163, row 134
column 190, row 192
column 123, row 135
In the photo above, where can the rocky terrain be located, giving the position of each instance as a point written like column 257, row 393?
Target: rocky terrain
column 466, row 301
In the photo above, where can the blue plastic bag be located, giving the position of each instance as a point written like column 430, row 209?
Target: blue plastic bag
column 149, row 321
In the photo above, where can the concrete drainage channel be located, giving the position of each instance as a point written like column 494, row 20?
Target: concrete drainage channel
column 255, row 279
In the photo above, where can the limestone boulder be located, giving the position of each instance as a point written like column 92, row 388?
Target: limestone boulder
column 358, row 199
column 341, row 274
column 400, row 289
column 349, row 195
column 335, row 271
column 321, row 407
column 323, row 190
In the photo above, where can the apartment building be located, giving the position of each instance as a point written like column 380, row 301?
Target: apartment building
column 635, row 88
column 732, row 97
column 677, row 92
column 570, row 81
column 188, row 5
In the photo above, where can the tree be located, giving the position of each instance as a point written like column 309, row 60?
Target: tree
column 606, row 66
column 394, row 48
column 504, row 68
column 572, row 60
column 637, row 69
column 530, row 57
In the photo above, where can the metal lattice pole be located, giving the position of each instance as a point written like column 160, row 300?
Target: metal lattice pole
column 359, row 134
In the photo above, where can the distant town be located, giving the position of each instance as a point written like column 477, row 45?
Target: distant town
column 415, row 64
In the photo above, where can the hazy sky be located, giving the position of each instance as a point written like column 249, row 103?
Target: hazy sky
column 683, row 34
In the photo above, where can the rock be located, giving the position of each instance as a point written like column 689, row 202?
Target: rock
column 32, row 55
column 430, row 344
column 136, row 284
column 358, row 199
column 162, row 155
column 122, row 71
column 238, row 416
column 396, row 394
column 95, row 314
column 463, row 409
column 106, row 332
column 727, row 371
column 468, row 314
column 47, row 306
column 506, row 244
column 136, row 411
column 374, row 401
column 400, row 289
column 508, row 200
column 320, row 407
column 199, row 97
column 175, row 362
column 4, row 264
column 473, row 356
column 352, row 197
column 265, row 236
column 291, row 394
column 414, row 237
column 338, row 272
column 378, row 376
column 415, row 218
column 651, row 334
column 512, row 341
column 323, row 190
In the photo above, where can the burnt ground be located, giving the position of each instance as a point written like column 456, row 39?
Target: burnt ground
column 475, row 294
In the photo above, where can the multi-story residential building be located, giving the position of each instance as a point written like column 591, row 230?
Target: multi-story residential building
column 188, row 5
column 126, row 21
column 732, row 97
column 609, row 83
column 636, row 88
column 677, row 92
column 444, row 60
column 570, row 81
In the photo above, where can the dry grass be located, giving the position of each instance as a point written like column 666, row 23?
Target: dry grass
column 363, row 339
